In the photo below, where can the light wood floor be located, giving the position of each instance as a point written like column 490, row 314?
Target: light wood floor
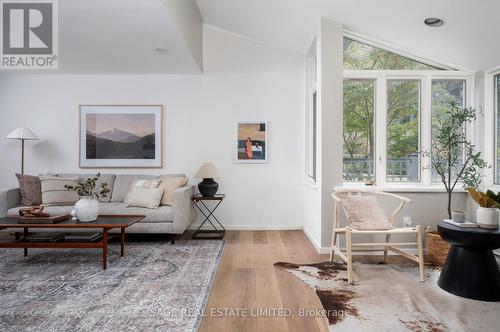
column 246, row 279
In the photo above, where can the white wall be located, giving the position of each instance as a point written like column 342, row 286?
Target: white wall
column 243, row 80
column 319, row 207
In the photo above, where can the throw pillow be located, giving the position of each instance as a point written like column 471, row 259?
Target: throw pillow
column 169, row 185
column 54, row 193
column 145, row 197
column 142, row 183
column 364, row 212
column 30, row 188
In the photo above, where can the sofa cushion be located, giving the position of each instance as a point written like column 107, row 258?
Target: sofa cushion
column 123, row 183
column 161, row 214
column 108, row 178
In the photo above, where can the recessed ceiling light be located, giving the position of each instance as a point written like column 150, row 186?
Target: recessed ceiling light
column 433, row 22
column 160, row 50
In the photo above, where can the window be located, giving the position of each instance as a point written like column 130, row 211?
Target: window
column 403, row 130
column 361, row 56
column 392, row 105
column 359, row 127
column 313, row 136
column 443, row 93
column 311, row 115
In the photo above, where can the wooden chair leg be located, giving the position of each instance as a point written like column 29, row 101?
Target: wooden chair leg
column 386, row 248
column 420, row 253
column 334, row 241
column 348, row 243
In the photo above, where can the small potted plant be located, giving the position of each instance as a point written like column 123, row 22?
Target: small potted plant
column 87, row 207
column 487, row 212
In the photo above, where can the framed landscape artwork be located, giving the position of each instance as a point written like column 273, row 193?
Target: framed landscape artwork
column 121, row 136
column 251, row 141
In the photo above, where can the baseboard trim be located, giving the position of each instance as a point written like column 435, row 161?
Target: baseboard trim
column 316, row 245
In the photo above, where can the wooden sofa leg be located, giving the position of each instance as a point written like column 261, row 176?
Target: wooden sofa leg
column 172, row 238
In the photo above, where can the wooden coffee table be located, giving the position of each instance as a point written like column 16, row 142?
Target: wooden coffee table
column 104, row 222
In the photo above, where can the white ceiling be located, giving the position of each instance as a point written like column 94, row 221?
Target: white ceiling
column 120, row 36
column 468, row 39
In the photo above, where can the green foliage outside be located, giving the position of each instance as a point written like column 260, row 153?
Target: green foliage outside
column 361, row 56
column 403, row 104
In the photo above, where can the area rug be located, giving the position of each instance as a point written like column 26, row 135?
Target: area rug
column 155, row 287
column 390, row 298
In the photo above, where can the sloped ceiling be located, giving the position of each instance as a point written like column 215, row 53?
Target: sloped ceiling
column 121, row 37
column 469, row 38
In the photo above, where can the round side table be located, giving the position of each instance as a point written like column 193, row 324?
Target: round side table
column 470, row 269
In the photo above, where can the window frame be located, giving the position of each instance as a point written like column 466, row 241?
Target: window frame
column 496, row 109
column 425, row 77
column 490, row 128
column 311, row 117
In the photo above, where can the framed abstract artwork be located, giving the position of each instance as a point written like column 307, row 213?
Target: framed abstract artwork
column 121, row 136
column 251, row 142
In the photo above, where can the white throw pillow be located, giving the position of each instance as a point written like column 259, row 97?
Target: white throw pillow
column 54, row 193
column 364, row 212
column 170, row 184
column 145, row 197
column 143, row 183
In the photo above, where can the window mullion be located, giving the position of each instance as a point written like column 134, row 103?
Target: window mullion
column 380, row 129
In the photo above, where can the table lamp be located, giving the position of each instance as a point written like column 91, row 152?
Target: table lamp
column 22, row 134
column 208, row 187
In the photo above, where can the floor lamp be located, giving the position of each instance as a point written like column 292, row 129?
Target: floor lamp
column 22, row 134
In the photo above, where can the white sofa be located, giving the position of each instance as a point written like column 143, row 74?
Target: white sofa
column 170, row 220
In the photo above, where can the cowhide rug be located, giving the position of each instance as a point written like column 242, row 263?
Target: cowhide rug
column 391, row 298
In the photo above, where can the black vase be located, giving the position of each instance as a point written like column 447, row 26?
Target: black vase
column 208, row 187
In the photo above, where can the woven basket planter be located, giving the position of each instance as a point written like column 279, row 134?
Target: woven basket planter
column 437, row 248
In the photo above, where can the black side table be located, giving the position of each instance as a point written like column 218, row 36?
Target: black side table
column 208, row 213
column 470, row 269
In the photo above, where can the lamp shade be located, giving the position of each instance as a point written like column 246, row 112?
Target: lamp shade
column 23, row 133
column 207, row 171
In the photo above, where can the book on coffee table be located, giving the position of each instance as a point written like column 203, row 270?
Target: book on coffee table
column 465, row 224
column 82, row 237
column 44, row 237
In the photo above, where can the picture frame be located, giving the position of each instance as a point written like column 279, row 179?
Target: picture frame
column 121, row 136
column 251, row 142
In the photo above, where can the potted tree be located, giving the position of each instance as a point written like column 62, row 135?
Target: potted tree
column 453, row 157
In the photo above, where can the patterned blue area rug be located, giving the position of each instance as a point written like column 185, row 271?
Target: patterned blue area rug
column 155, row 287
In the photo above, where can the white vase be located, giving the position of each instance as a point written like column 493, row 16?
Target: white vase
column 487, row 217
column 87, row 209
